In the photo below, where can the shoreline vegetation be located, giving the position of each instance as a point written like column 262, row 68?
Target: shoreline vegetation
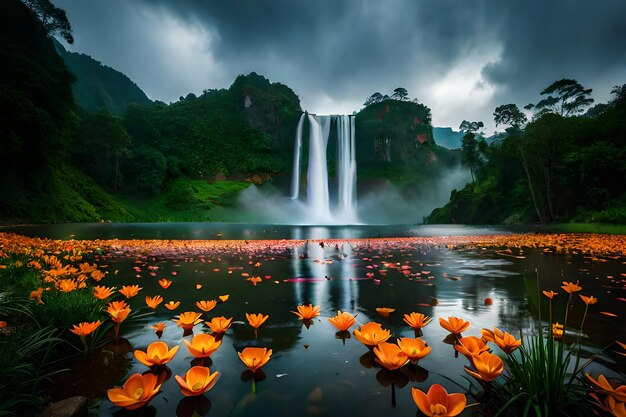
column 592, row 228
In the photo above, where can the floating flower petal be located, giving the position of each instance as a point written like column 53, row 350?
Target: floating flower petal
column 196, row 381
column 255, row 357
column 437, row 402
column 136, row 392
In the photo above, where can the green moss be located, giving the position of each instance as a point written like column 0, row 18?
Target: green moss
column 613, row 229
column 187, row 199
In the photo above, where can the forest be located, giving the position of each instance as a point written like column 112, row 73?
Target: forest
column 80, row 142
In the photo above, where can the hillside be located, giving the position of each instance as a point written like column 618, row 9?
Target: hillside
column 556, row 169
column 99, row 87
column 395, row 142
column 185, row 161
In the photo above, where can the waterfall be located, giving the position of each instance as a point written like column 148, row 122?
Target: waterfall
column 295, row 177
column 346, row 168
column 317, row 173
column 318, row 203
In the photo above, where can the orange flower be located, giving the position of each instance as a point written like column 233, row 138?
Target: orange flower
column 136, row 392
column 307, row 312
column 342, row 321
column 471, row 346
column 206, row 306
column 256, row 320
column 385, row 311
column 488, row 367
column 85, row 328
column 254, row 280
column 371, row 334
column 159, row 327
column 202, row 345
column 118, row 310
column 454, row 325
column 165, row 283
column 101, row 292
column 589, row 300
column 390, row 356
column 97, row 275
column 438, row 403
column 224, row 298
column 616, row 408
column 557, row 331
column 570, row 287
column 219, row 324
column 198, row 380
column 506, row 341
column 605, row 386
column 130, row 290
column 188, row 319
column 550, row 294
column 67, row 285
column 3, row 324
column 490, row 336
column 417, row 320
column 415, row 349
column 85, row 268
column 255, row 357
column 157, row 354
column 36, row 295
column 153, row 302
column 172, row 305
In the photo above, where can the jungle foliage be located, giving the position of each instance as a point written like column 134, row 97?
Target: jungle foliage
column 561, row 166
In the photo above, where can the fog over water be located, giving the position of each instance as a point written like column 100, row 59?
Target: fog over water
column 380, row 203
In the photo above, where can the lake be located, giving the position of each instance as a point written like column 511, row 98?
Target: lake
column 312, row 371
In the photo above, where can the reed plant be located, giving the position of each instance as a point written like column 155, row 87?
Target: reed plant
column 26, row 355
column 541, row 379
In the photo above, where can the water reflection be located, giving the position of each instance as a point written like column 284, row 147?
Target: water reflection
column 317, row 369
column 191, row 230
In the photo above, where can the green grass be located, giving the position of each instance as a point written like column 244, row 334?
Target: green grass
column 604, row 228
column 187, row 200
column 27, row 351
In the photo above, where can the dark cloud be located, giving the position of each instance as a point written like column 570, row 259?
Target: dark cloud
column 461, row 58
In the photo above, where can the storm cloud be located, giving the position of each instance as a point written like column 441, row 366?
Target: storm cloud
column 461, row 58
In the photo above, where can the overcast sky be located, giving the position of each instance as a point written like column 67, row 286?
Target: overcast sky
column 461, row 58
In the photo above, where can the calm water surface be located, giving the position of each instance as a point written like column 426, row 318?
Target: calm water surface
column 312, row 372
column 238, row 231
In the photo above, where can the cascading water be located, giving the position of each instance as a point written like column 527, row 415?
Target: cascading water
column 318, row 203
column 317, row 174
column 346, row 168
column 295, row 178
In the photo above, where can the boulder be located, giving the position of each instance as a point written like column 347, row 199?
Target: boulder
column 69, row 407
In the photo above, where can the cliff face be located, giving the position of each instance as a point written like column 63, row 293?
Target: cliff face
column 272, row 108
column 395, row 134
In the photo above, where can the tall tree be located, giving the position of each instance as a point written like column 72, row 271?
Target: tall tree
column 374, row 98
column 52, row 18
column 473, row 145
column 470, row 127
column 565, row 97
column 400, row 93
column 509, row 114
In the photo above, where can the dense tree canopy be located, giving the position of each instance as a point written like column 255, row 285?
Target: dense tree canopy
column 557, row 168
column 565, row 97
column 52, row 18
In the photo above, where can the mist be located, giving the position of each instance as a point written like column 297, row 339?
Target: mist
column 379, row 203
